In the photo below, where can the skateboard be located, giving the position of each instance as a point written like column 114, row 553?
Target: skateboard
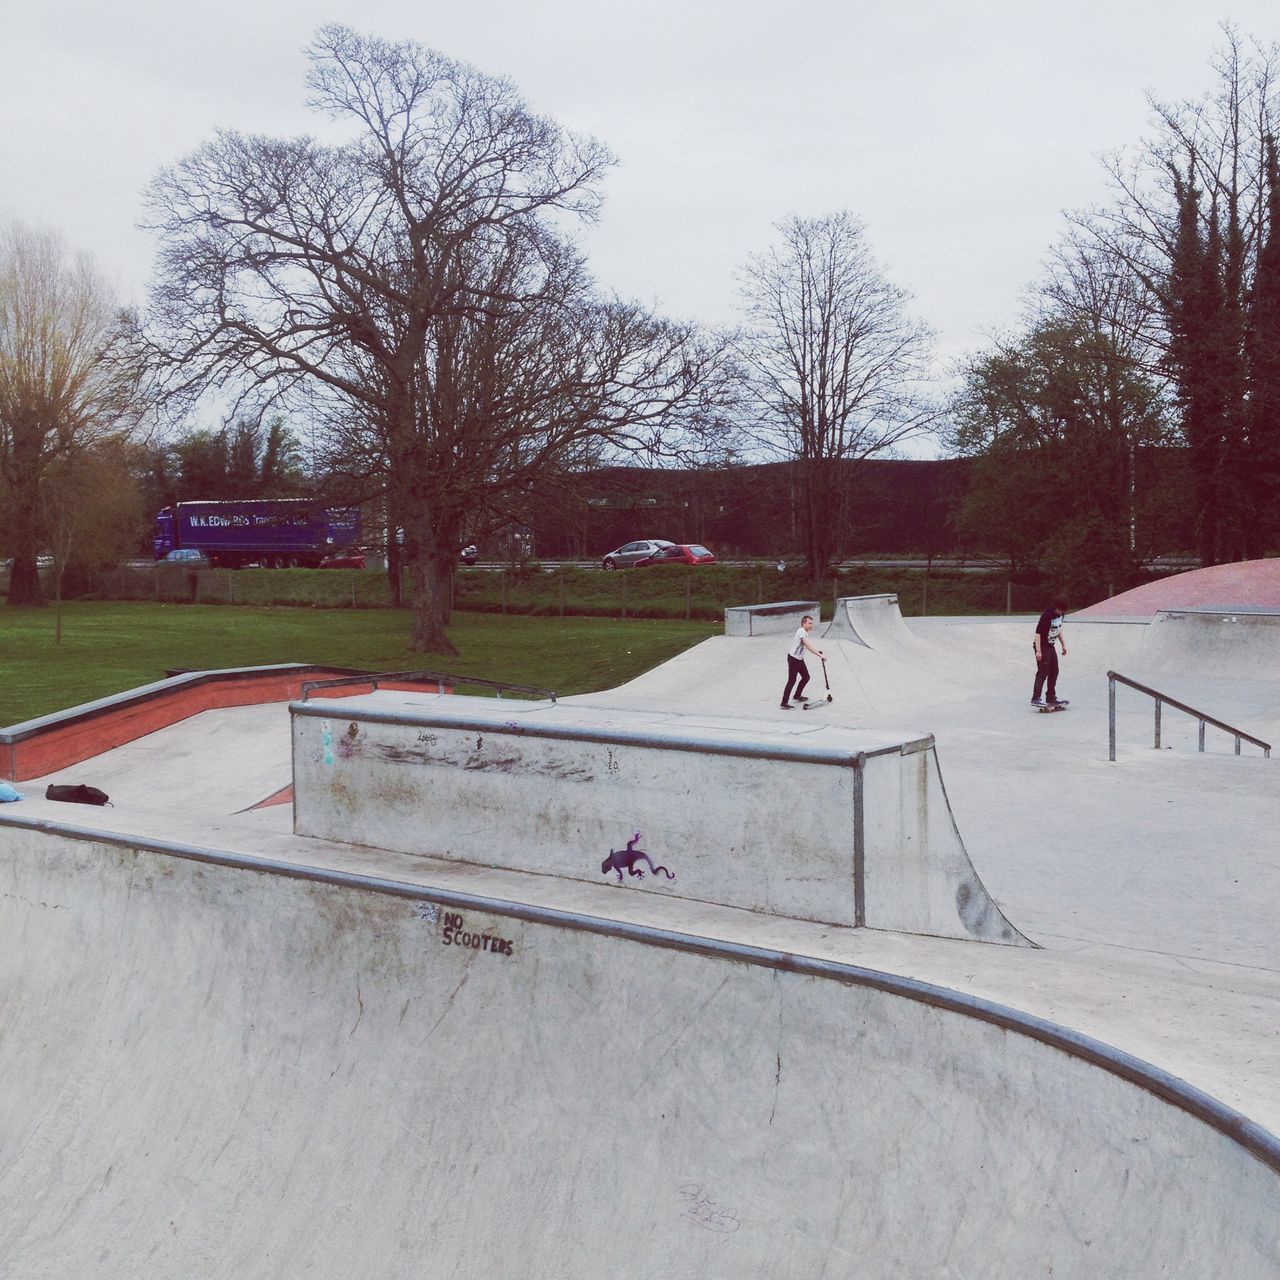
column 818, row 702
column 1060, row 705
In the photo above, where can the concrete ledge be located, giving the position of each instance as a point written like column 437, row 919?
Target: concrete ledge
column 768, row 619
column 838, row 825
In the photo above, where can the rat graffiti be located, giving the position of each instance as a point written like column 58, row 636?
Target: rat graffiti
column 626, row 859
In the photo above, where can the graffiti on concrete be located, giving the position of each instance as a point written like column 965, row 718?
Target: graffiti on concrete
column 456, row 934
column 703, row 1211
column 626, row 859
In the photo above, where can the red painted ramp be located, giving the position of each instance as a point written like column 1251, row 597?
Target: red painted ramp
column 1245, row 584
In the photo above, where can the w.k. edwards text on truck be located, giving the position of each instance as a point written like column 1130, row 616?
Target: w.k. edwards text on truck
column 280, row 532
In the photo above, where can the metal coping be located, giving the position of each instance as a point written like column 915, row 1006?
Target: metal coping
column 801, row 750
column 765, row 610
column 440, row 678
column 1241, row 610
column 1255, row 1138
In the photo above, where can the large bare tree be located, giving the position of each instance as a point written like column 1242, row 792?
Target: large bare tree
column 838, row 366
column 411, row 282
column 64, row 384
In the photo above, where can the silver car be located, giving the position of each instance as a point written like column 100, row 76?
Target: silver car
column 627, row 554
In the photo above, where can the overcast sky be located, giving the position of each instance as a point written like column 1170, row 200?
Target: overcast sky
column 957, row 132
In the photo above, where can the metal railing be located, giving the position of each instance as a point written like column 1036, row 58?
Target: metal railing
column 441, row 678
column 1163, row 699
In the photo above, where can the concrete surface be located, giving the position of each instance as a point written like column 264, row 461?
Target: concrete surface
column 223, row 1072
column 230, row 1050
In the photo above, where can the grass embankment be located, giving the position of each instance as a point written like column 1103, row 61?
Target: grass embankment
column 109, row 646
column 671, row 592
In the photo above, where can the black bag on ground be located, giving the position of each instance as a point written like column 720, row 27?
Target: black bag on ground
column 76, row 792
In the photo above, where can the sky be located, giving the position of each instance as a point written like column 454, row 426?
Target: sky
column 958, row 132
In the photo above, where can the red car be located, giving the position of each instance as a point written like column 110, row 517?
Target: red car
column 681, row 553
column 350, row 560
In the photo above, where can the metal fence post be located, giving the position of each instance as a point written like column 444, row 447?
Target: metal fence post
column 1111, row 717
column 1157, row 724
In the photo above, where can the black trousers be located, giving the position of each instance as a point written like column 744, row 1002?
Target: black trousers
column 1047, row 674
column 795, row 668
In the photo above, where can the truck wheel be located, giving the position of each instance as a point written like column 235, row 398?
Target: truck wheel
column 293, row 562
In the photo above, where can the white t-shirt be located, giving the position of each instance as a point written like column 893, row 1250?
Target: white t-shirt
column 797, row 645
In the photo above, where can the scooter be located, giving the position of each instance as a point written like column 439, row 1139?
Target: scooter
column 817, row 702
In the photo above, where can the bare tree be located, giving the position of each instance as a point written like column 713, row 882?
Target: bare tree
column 511, row 399
column 394, row 280
column 65, row 383
column 837, row 366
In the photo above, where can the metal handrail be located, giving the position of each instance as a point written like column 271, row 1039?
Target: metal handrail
column 434, row 677
column 1162, row 699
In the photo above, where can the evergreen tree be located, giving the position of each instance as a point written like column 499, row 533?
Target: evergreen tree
column 1263, row 350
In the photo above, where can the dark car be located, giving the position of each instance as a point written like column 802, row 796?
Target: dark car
column 680, row 553
column 188, row 558
column 631, row 553
column 352, row 560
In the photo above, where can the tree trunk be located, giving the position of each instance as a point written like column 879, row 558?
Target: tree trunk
column 395, row 565
column 24, row 580
column 429, row 603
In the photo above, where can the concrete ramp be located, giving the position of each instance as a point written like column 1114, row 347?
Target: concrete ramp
column 1244, row 584
column 212, row 1069
column 873, row 621
column 231, row 757
column 1234, row 644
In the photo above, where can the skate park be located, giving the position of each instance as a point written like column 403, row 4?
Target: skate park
column 408, row 1023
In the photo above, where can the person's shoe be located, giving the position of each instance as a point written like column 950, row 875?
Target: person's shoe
column 1059, row 702
column 786, row 706
column 799, row 698
column 1038, row 702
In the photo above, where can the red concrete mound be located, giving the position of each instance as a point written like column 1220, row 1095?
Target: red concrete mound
column 1245, row 584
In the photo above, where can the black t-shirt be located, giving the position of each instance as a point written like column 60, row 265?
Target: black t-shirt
column 1050, row 625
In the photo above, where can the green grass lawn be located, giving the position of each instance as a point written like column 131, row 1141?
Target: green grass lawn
column 110, row 646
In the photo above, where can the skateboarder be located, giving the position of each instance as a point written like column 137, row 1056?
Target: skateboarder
column 796, row 668
column 1049, row 633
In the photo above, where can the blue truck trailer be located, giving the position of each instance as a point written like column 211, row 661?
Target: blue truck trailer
column 279, row 532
